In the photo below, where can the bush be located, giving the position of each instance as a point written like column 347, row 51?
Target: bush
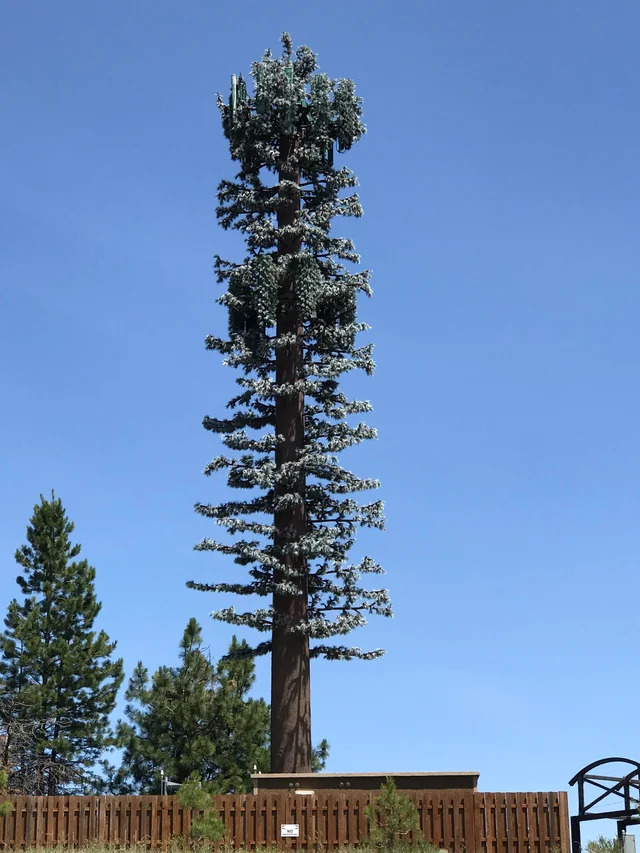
column 6, row 806
column 605, row 845
column 198, row 796
column 391, row 816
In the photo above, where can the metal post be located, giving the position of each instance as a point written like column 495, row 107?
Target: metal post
column 575, row 835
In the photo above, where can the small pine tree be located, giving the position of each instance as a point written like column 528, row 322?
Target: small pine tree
column 291, row 303
column 391, row 816
column 57, row 676
column 198, row 796
column 6, row 806
column 195, row 718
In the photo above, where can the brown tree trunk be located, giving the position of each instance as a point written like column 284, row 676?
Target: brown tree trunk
column 53, row 757
column 290, row 683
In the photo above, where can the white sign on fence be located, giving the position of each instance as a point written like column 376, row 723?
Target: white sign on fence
column 289, row 830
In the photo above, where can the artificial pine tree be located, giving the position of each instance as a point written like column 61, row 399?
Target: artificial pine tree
column 292, row 335
column 57, row 678
column 192, row 719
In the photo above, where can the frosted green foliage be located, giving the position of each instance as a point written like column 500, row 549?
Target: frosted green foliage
column 291, row 100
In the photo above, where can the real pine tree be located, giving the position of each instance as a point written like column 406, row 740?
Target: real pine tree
column 291, row 302
column 57, row 676
column 195, row 718
column 391, row 817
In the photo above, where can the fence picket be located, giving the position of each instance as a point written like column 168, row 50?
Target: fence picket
column 563, row 821
column 62, row 823
column 468, row 821
column 322, row 823
column 440, row 813
column 501, row 817
column 459, row 840
column 545, row 822
column 553, row 817
column 19, row 824
column 29, row 839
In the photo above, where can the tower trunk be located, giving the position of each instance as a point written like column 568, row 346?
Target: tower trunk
column 290, row 681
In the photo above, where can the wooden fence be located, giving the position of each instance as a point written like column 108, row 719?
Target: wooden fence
column 460, row 821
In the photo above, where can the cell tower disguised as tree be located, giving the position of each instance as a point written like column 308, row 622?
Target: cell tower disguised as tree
column 292, row 335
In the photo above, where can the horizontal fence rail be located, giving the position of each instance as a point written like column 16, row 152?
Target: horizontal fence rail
column 456, row 821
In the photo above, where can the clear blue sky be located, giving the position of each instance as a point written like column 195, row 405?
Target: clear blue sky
column 501, row 188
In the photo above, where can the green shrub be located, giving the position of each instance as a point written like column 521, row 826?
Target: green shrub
column 6, row 806
column 391, row 816
column 198, row 796
column 605, row 845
